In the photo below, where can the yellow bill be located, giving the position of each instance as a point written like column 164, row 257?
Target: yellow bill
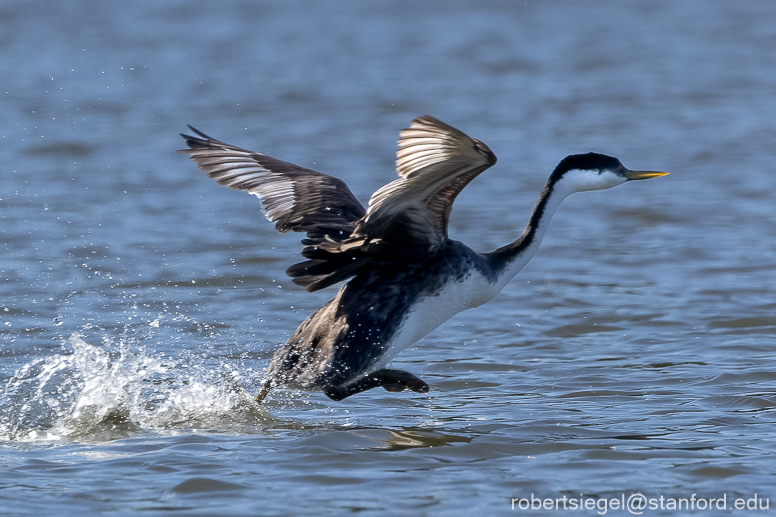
column 643, row 175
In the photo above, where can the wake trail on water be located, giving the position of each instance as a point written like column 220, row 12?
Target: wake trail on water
column 100, row 393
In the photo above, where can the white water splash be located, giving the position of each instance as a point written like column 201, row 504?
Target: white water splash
column 100, row 394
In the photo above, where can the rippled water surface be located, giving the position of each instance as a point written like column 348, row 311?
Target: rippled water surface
column 140, row 302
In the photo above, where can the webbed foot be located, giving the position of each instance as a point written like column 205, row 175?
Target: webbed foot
column 391, row 380
column 401, row 380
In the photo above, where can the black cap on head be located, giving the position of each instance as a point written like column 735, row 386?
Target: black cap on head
column 585, row 162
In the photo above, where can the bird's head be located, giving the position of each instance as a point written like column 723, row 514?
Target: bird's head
column 592, row 171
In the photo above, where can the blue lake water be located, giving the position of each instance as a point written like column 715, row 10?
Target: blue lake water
column 140, row 302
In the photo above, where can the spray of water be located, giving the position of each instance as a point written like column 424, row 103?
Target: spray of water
column 113, row 392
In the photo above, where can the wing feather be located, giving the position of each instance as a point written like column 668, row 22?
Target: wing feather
column 292, row 197
column 405, row 219
column 435, row 162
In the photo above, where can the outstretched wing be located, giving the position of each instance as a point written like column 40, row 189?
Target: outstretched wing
column 435, row 162
column 294, row 198
column 406, row 219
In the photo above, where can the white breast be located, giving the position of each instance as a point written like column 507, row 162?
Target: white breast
column 431, row 311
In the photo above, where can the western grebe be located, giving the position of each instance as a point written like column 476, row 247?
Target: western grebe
column 405, row 276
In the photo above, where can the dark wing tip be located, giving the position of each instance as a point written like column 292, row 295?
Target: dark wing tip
column 199, row 133
column 201, row 141
column 189, row 141
column 484, row 150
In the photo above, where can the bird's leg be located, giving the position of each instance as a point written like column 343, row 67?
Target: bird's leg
column 264, row 390
column 390, row 380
